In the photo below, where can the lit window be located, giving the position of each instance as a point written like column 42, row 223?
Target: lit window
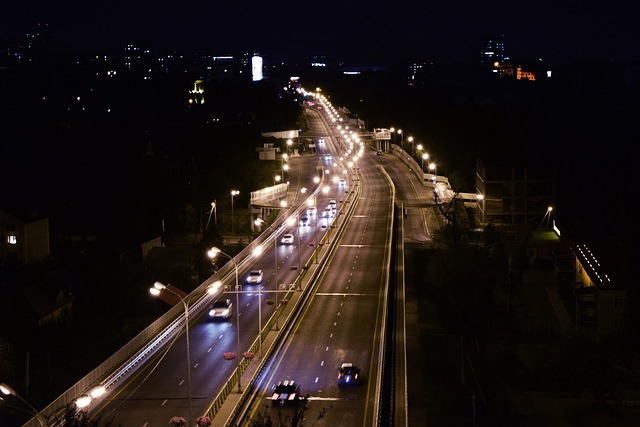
column 12, row 240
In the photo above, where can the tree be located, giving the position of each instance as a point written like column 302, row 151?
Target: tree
column 296, row 419
column 73, row 417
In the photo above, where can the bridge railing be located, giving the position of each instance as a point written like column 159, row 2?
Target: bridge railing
column 126, row 360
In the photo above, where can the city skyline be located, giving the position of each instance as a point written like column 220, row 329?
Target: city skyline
column 553, row 32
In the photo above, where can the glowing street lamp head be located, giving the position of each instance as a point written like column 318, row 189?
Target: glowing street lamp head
column 6, row 390
column 316, row 179
column 157, row 289
column 213, row 252
column 159, row 286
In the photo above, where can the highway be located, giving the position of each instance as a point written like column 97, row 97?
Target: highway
column 159, row 389
column 342, row 320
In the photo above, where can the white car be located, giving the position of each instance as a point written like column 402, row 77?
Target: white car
column 255, row 276
column 312, row 211
column 332, row 204
column 287, row 239
column 221, row 309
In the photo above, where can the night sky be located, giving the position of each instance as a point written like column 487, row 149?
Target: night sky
column 553, row 30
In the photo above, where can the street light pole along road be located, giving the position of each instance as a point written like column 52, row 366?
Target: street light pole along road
column 213, row 253
column 233, row 194
column 155, row 291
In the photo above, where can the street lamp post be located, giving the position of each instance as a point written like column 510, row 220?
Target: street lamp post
column 401, row 138
column 233, row 194
column 433, row 171
column 215, row 215
column 155, row 291
column 480, row 198
column 425, row 156
column 214, row 252
column 283, row 204
column 291, row 223
column 8, row 391
column 283, row 164
column 410, row 139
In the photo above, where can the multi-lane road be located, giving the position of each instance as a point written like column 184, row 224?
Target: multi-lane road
column 342, row 321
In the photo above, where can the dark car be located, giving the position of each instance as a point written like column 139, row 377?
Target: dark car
column 221, row 310
column 348, row 374
column 285, row 392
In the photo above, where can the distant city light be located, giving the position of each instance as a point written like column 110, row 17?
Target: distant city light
column 256, row 68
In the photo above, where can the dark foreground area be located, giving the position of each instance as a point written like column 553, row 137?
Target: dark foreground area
column 510, row 376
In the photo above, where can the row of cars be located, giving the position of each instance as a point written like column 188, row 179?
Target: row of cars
column 222, row 309
column 288, row 391
column 328, row 211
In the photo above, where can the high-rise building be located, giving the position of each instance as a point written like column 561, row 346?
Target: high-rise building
column 492, row 50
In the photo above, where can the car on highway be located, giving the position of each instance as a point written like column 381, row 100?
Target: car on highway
column 287, row 239
column 255, row 276
column 327, row 156
column 304, row 221
column 332, row 203
column 311, row 211
column 348, row 373
column 285, row 392
column 221, row 309
column 328, row 211
column 342, row 182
